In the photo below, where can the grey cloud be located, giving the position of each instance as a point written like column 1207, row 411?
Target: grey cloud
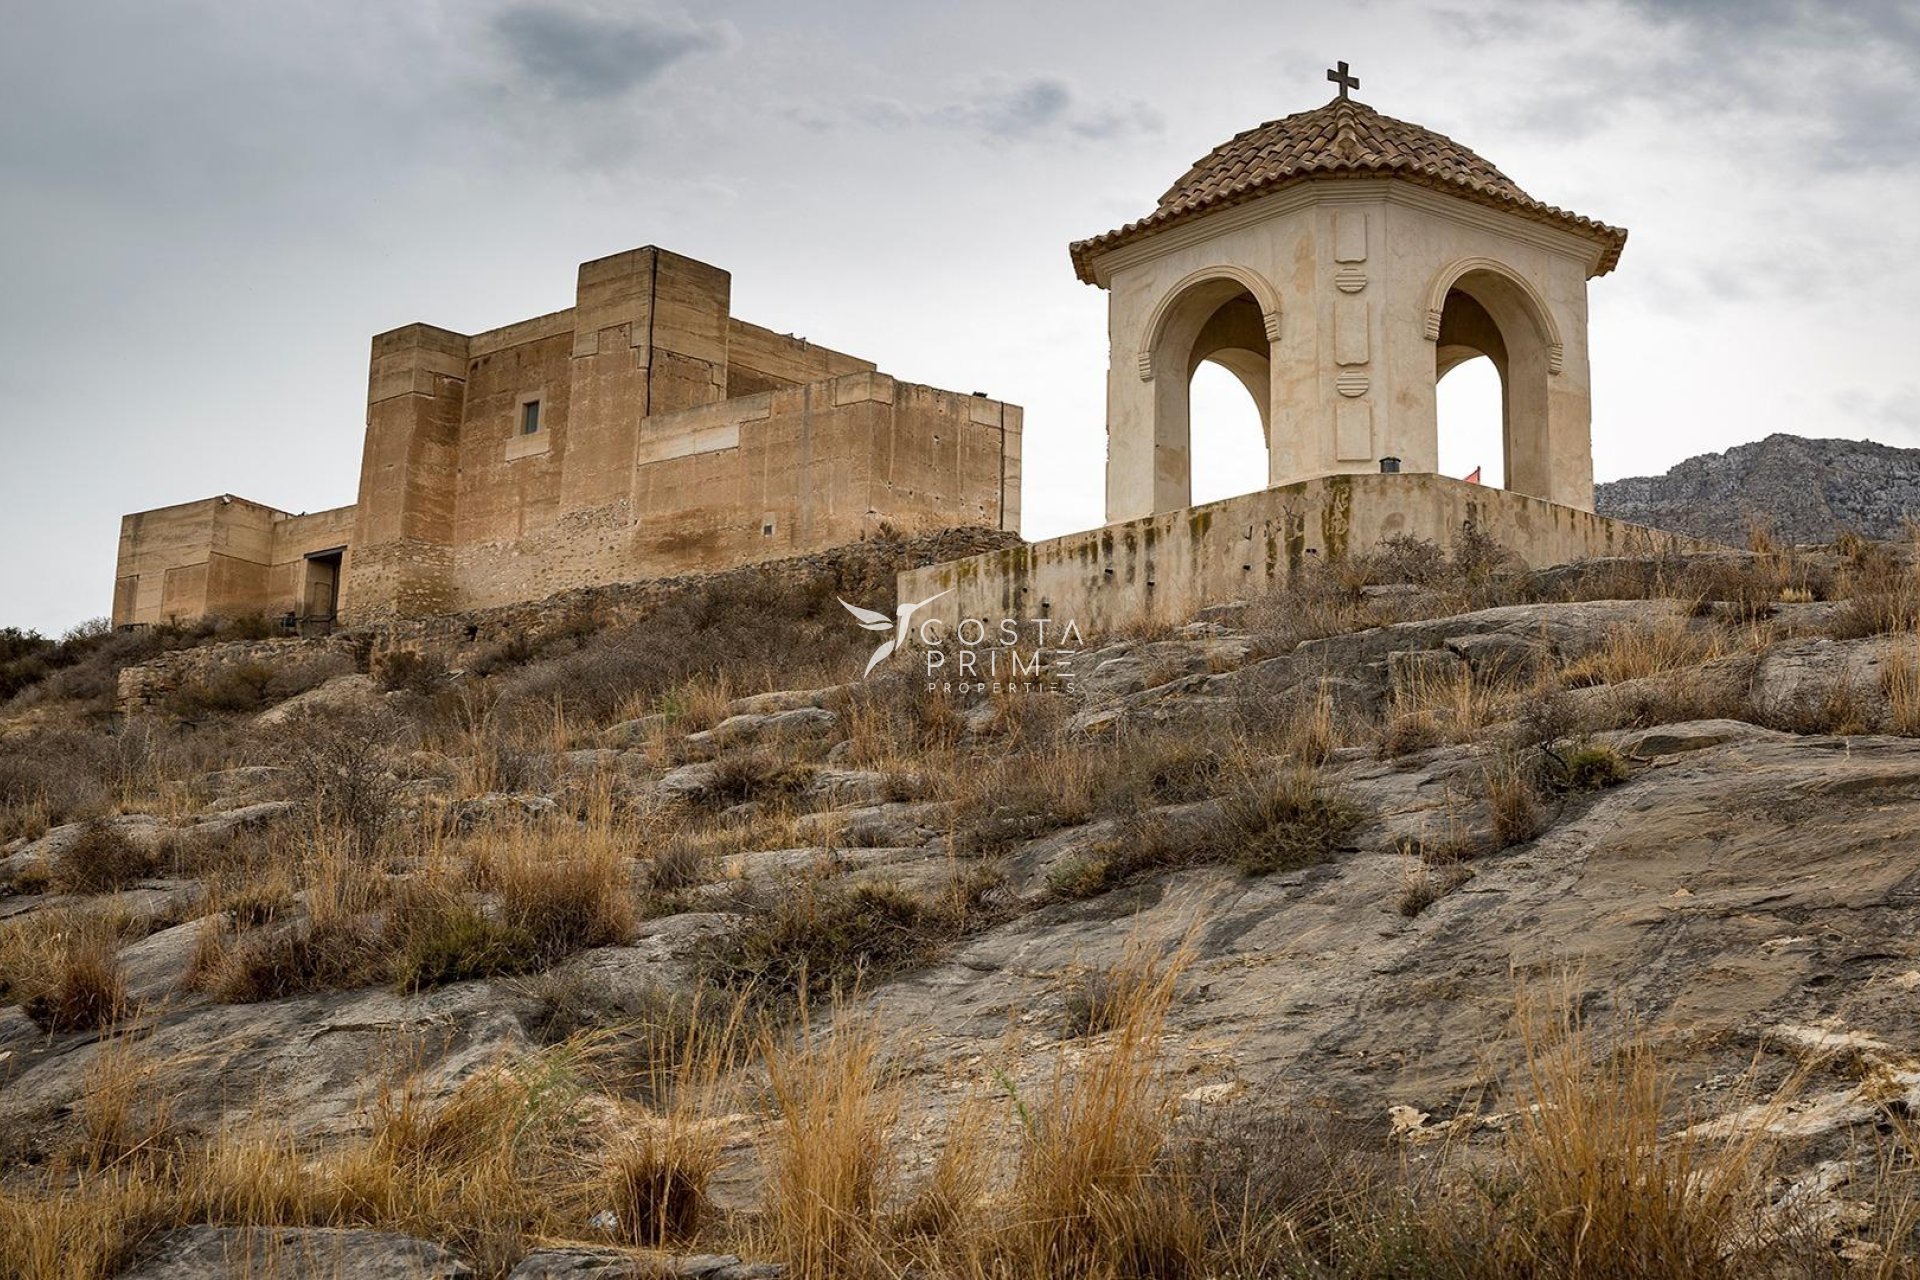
column 1893, row 413
column 585, row 53
column 1034, row 107
column 1836, row 86
column 1026, row 107
column 1135, row 117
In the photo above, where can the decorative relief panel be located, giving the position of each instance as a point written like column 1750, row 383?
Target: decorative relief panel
column 1350, row 279
column 1351, row 383
column 1353, row 430
column 1349, row 236
column 1350, row 330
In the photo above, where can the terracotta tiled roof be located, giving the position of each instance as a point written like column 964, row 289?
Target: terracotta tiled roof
column 1343, row 139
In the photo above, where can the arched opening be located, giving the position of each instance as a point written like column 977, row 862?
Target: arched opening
column 1470, row 408
column 1491, row 363
column 1229, row 435
column 1211, row 328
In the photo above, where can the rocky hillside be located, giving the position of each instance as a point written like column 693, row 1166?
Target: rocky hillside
column 1377, row 928
column 1798, row 490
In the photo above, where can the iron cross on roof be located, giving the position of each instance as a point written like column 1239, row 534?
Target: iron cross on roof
column 1341, row 78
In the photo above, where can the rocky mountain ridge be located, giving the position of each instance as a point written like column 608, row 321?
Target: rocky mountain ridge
column 1799, row 490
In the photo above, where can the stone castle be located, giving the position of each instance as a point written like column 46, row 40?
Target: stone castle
column 643, row 432
column 1339, row 262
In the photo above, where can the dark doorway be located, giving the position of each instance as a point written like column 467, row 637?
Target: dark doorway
column 320, row 596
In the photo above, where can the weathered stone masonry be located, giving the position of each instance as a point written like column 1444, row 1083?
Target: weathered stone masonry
column 665, row 436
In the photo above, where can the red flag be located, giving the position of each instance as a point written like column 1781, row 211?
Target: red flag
column 1473, row 476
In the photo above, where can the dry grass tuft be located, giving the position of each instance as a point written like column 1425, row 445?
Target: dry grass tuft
column 125, row 1109
column 822, row 933
column 1901, row 680
column 678, row 864
column 1093, row 1195
column 65, row 970
column 1313, row 731
column 1426, row 883
column 102, row 859
column 1632, row 652
column 1099, row 1000
column 1006, row 801
column 1516, row 807
column 1284, row 821
column 1587, row 766
column 655, row 1175
column 830, row 1166
column 945, row 1209
column 1882, row 590
column 1430, row 708
column 1267, row 822
column 1598, row 1189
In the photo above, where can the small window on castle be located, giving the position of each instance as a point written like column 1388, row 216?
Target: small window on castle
column 530, row 418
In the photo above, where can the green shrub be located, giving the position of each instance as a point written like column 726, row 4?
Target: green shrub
column 102, row 859
column 456, row 941
column 819, row 935
column 1590, row 766
column 740, row 776
column 408, row 670
column 1284, row 823
column 1142, row 845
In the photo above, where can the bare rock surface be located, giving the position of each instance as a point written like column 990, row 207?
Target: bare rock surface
column 750, row 727
column 311, row 1062
column 1759, row 880
column 347, row 693
column 894, row 824
column 760, row 704
column 294, row 1253
column 610, row 1264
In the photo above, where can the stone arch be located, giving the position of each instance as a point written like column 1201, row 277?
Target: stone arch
column 1482, row 307
column 1539, row 314
column 1263, row 293
column 1227, row 315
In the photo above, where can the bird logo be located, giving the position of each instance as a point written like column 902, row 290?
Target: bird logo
column 874, row 620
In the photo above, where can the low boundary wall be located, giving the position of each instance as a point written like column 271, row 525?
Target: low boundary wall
column 1166, row 568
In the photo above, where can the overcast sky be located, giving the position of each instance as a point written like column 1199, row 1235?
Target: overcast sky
column 207, row 209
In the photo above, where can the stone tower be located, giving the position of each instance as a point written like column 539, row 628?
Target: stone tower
column 1339, row 262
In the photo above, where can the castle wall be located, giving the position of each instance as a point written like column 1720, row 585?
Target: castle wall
column 508, row 483
column 764, row 477
column 192, row 559
column 222, row 557
column 761, row 360
column 1166, row 568
column 672, row 438
column 294, row 539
